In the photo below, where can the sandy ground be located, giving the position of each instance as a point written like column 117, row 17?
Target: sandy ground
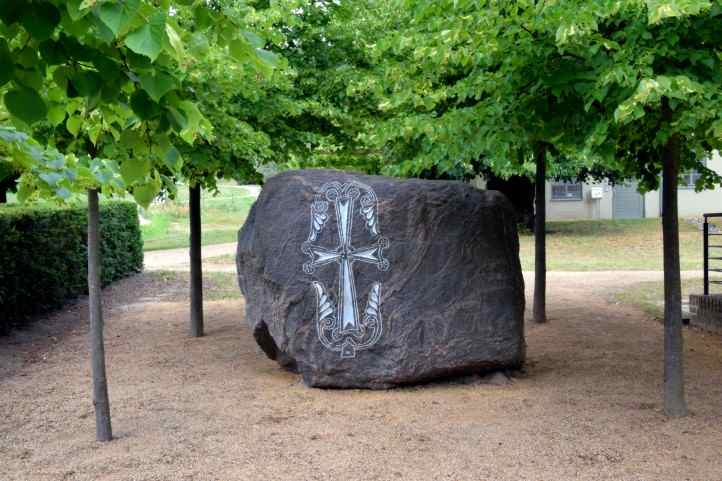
column 586, row 407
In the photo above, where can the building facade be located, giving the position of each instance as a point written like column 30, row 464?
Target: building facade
column 574, row 201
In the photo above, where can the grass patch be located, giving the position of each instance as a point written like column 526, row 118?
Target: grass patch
column 598, row 245
column 222, row 215
column 649, row 296
column 217, row 286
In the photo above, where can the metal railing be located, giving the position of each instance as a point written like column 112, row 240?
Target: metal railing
column 707, row 246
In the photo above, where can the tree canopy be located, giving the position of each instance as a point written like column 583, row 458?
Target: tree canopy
column 103, row 82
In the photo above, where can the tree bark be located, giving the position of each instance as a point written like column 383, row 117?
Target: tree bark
column 674, row 400
column 540, row 267
column 195, row 257
column 3, row 195
column 103, row 431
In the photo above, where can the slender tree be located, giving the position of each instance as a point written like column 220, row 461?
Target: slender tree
column 540, row 268
column 674, row 399
column 101, row 403
column 656, row 98
column 196, row 275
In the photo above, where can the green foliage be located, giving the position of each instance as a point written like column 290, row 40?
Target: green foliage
column 657, row 74
column 299, row 115
column 44, row 255
column 465, row 85
column 103, row 81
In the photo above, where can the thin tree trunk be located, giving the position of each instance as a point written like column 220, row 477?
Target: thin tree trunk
column 3, row 195
column 540, row 267
column 674, row 401
column 196, row 267
column 101, row 403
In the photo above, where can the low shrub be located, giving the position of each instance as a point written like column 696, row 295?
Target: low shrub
column 43, row 255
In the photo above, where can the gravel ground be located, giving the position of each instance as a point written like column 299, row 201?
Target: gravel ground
column 587, row 406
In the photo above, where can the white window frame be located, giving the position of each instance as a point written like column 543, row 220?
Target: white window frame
column 569, row 196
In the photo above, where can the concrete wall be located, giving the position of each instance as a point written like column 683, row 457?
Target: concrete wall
column 587, row 208
column 652, row 204
column 691, row 203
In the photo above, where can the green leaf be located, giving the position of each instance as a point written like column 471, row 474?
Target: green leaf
column 51, row 178
column 40, row 20
column 175, row 42
column 63, row 193
column 177, row 119
column 173, row 159
column 26, row 105
column 94, row 133
column 52, row 52
column 148, row 39
column 157, row 85
column 32, row 78
column 73, row 125
column 143, row 106
column 74, row 12
column 198, row 44
column 202, row 16
column 56, row 114
column 144, row 194
column 134, row 169
column 87, row 84
column 240, row 50
column 118, row 17
column 658, row 10
column 269, row 58
column 254, row 40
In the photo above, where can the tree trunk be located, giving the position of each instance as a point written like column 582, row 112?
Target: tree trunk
column 3, row 195
column 540, row 267
column 196, row 267
column 101, row 403
column 674, row 402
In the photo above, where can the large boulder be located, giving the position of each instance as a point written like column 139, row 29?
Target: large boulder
column 360, row 281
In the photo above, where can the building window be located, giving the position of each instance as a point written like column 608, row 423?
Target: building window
column 566, row 191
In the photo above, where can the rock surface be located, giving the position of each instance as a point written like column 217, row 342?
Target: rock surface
column 361, row 281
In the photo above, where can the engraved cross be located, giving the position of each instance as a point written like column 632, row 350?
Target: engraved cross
column 344, row 199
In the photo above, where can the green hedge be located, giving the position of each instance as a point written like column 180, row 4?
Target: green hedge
column 43, row 255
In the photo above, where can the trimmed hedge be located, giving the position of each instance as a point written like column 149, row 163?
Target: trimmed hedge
column 43, row 255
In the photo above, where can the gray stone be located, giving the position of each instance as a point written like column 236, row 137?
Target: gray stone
column 362, row 281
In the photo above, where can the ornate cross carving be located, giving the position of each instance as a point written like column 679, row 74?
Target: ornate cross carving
column 341, row 329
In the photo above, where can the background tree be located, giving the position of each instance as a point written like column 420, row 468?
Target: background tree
column 656, row 96
column 474, row 87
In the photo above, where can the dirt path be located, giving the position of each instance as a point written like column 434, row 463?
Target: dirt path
column 588, row 406
column 177, row 259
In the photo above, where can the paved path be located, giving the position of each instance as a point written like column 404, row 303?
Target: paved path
column 177, row 259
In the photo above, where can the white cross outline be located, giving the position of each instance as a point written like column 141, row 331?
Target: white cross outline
column 347, row 331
